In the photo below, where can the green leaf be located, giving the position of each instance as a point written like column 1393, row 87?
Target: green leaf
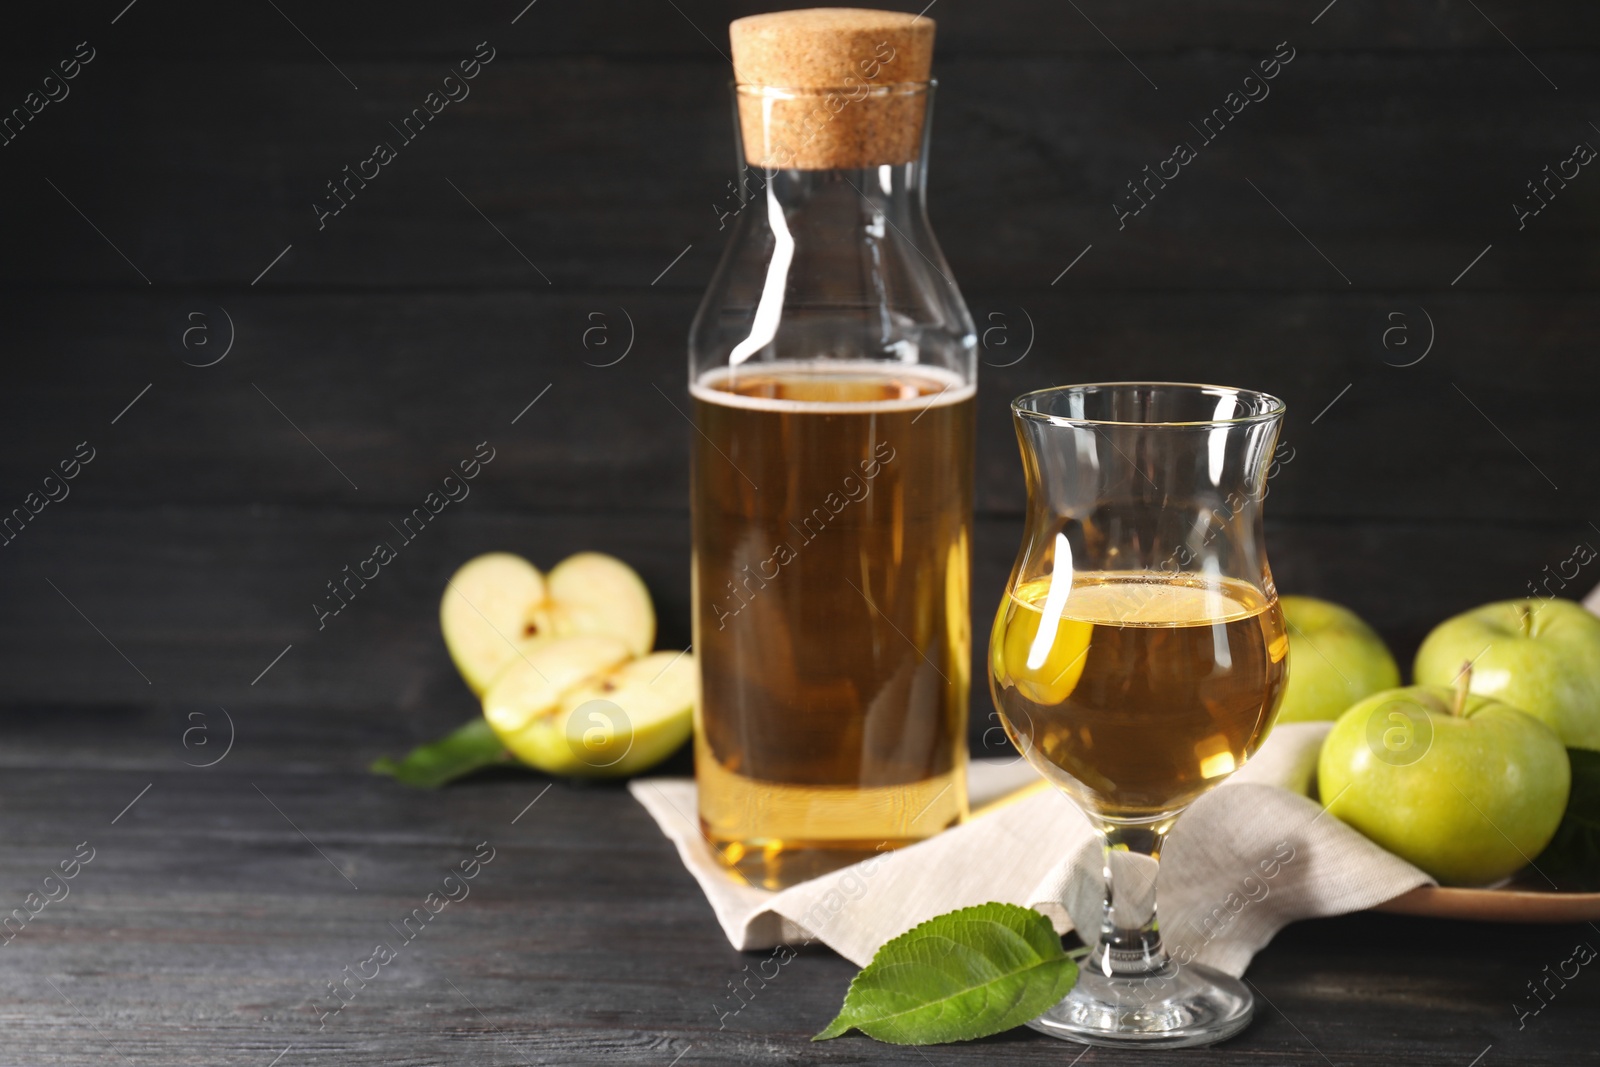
column 459, row 752
column 1573, row 855
column 956, row 977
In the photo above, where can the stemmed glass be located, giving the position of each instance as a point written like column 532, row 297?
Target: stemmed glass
column 1138, row 659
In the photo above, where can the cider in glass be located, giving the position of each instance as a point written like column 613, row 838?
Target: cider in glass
column 1136, row 691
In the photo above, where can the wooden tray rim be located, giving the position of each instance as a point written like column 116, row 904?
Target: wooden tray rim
column 1495, row 905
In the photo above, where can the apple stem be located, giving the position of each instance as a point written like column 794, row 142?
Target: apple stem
column 1463, row 684
column 1526, row 613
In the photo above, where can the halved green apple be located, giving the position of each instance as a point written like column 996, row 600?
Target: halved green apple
column 617, row 722
column 498, row 608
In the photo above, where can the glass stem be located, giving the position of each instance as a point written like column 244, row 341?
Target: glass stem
column 1130, row 934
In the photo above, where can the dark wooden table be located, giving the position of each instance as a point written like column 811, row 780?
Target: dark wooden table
column 217, row 908
column 263, row 396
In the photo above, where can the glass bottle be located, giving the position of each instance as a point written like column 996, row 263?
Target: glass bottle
column 832, row 366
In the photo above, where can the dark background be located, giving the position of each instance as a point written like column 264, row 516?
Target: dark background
column 458, row 287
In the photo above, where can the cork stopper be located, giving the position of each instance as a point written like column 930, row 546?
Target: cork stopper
column 832, row 87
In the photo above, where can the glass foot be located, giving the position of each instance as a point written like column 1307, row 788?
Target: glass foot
column 1172, row 1008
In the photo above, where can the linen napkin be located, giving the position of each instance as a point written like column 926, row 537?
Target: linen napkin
column 1245, row 860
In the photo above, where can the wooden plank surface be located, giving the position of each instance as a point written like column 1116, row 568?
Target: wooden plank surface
column 692, row 28
column 1399, row 169
column 209, row 922
column 395, row 389
column 200, row 601
column 172, row 591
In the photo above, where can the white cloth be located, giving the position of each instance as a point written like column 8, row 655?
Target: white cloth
column 1245, row 860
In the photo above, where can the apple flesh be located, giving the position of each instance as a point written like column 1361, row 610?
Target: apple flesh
column 623, row 723
column 491, row 612
column 1336, row 659
column 1463, row 786
column 594, row 715
column 533, row 684
column 1542, row 656
column 498, row 608
column 593, row 593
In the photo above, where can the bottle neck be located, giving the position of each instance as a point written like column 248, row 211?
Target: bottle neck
column 854, row 199
column 847, row 238
column 830, row 255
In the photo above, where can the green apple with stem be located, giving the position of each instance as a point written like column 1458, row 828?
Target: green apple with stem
column 1462, row 785
column 1335, row 659
column 1542, row 656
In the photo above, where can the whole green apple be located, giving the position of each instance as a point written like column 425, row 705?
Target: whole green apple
column 1335, row 660
column 1542, row 656
column 1465, row 787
